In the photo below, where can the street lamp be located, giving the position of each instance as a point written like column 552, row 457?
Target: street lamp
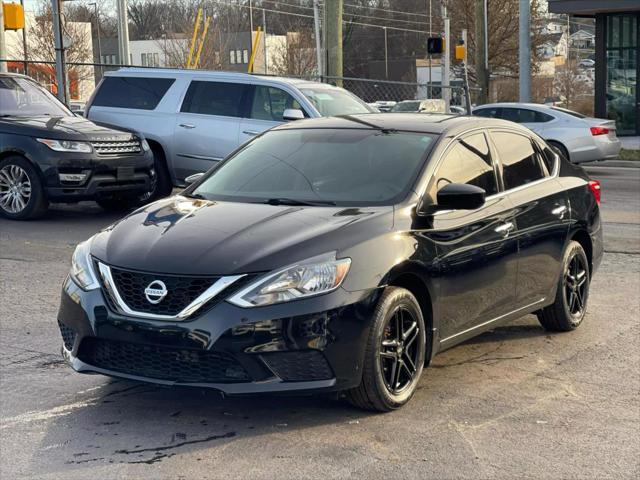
column 95, row 6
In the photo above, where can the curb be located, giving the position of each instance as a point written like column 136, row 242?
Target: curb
column 612, row 163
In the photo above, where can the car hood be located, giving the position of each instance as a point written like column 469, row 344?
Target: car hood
column 199, row 237
column 61, row 128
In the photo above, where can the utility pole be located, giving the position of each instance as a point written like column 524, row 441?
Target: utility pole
column 24, row 42
column 465, row 70
column 429, row 55
column 316, row 26
column 97, row 14
column 333, row 30
column 446, row 67
column 123, row 33
column 3, row 42
column 386, row 57
column 264, row 29
column 525, row 52
column 61, row 67
column 482, row 74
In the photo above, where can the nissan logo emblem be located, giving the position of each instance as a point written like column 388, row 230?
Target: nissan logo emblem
column 155, row 291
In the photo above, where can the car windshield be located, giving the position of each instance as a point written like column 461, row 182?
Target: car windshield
column 569, row 112
column 335, row 101
column 22, row 97
column 406, row 107
column 348, row 167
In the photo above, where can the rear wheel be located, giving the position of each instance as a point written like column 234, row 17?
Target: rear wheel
column 560, row 148
column 22, row 196
column 570, row 306
column 163, row 185
column 394, row 355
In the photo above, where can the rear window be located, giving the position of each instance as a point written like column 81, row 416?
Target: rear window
column 132, row 92
column 214, row 98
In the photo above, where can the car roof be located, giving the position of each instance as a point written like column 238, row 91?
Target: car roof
column 179, row 72
column 408, row 122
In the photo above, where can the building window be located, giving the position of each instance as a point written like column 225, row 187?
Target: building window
column 156, row 59
column 622, row 63
column 245, row 56
column 143, row 58
column 238, row 56
column 232, row 57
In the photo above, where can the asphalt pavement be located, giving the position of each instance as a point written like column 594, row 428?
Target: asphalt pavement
column 516, row 402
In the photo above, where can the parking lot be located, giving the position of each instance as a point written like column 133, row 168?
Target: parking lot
column 516, row 402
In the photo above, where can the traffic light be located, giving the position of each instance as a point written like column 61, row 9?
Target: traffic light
column 13, row 16
column 461, row 51
column 435, row 45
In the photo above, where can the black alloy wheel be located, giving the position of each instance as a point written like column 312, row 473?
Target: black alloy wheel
column 570, row 305
column 399, row 352
column 575, row 285
column 394, row 355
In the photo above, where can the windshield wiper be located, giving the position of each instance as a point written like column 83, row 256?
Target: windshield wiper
column 294, row 202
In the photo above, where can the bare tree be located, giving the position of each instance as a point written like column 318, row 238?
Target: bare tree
column 570, row 85
column 296, row 56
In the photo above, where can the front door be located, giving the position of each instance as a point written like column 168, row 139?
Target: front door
column 208, row 125
column 476, row 264
column 267, row 105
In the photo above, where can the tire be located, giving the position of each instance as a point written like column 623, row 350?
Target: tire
column 163, row 185
column 378, row 389
column 119, row 204
column 560, row 148
column 569, row 308
column 22, row 196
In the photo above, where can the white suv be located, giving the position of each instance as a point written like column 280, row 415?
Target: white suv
column 193, row 119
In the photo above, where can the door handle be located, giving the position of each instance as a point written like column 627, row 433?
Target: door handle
column 250, row 132
column 504, row 228
column 559, row 211
column 187, row 125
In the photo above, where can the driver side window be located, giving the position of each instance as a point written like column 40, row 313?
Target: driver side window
column 468, row 161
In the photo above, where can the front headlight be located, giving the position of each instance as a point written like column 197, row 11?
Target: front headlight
column 305, row 279
column 66, row 145
column 81, row 268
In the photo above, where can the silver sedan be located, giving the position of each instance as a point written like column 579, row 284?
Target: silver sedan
column 578, row 137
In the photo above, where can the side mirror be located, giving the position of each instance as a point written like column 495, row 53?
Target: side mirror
column 193, row 178
column 460, row 196
column 293, row 114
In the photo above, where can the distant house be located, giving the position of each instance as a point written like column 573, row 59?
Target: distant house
column 554, row 46
column 582, row 39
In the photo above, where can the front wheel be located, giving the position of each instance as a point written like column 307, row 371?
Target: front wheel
column 570, row 305
column 394, row 355
column 22, row 196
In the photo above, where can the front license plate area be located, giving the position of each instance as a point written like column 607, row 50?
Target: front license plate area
column 125, row 173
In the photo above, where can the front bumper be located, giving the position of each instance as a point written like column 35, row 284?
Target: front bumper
column 308, row 345
column 102, row 175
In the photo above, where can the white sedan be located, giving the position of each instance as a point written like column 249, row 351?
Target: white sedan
column 578, row 137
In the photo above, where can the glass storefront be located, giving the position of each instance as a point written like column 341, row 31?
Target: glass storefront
column 623, row 56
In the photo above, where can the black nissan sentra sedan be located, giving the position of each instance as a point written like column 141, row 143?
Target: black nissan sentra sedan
column 337, row 254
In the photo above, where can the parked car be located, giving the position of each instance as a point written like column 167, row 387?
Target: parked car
column 577, row 137
column 337, row 254
column 427, row 106
column 47, row 154
column 587, row 63
column 77, row 108
column 407, row 106
column 384, row 105
column 193, row 119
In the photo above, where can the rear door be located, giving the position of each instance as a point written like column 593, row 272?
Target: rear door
column 266, row 107
column 541, row 214
column 476, row 253
column 207, row 126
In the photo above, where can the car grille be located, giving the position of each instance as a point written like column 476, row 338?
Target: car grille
column 162, row 363
column 116, row 147
column 300, row 366
column 181, row 291
column 68, row 335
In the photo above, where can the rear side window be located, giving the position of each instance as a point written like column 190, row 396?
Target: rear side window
column 269, row 103
column 488, row 112
column 214, row 98
column 520, row 162
column 524, row 115
column 132, row 92
column 468, row 161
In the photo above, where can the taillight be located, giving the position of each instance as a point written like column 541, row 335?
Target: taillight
column 599, row 131
column 595, row 188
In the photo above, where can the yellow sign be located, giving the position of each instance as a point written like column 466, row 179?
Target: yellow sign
column 460, row 52
column 13, row 16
